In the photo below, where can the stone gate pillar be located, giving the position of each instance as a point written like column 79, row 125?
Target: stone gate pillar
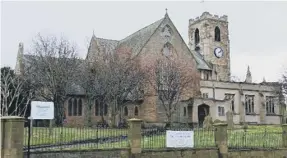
column 221, row 139
column 12, row 136
column 134, row 137
column 284, row 135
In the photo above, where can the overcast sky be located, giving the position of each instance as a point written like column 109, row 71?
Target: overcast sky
column 258, row 30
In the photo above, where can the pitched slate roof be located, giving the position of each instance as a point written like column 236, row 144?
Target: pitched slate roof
column 137, row 41
column 106, row 45
column 201, row 63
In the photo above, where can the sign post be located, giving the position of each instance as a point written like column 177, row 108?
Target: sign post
column 39, row 111
column 42, row 110
column 179, row 139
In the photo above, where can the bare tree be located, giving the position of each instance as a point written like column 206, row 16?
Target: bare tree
column 113, row 79
column 15, row 93
column 172, row 81
column 234, row 79
column 284, row 82
column 94, row 90
column 53, row 66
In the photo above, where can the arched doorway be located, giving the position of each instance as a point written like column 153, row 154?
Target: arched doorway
column 203, row 110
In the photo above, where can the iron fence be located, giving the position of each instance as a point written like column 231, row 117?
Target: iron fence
column 81, row 138
column 155, row 138
column 254, row 138
column 84, row 138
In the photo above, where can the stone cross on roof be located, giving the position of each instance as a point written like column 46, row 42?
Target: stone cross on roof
column 166, row 12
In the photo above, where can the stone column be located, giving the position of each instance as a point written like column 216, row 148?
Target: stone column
column 262, row 108
column 229, row 119
column 221, row 139
column 195, row 114
column 12, row 136
column 284, row 135
column 134, row 137
column 242, row 107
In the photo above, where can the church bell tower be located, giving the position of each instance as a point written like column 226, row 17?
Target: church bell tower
column 208, row 36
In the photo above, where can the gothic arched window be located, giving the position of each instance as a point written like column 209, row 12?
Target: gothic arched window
column 167, row 31
column 217, row 34
column 126, row 112
column 80, row 107
column 184, row 111
column 105, row 109
column 136, row 111
column 75, row 107
column 97, row 107
column 196, row 37
column 167, row 49
column 70, row 107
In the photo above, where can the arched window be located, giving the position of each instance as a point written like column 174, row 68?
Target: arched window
column 196, row 37
column 105, row 109
column 70, row 107
column 80, row 107
column 167, row 31
column 97, row 108
column 167, row 49
column 126, row 112
column 75, row 107
column 136, row 111
column 184, row 111
column 249, row 104
column 217, row 34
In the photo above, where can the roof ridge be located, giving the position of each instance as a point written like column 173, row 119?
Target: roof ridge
column 192, row 54
column 106, row 39
column 141, row 29
column 151, row 34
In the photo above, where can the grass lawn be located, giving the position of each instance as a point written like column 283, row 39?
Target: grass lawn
column 40, row 135
column 255, row 136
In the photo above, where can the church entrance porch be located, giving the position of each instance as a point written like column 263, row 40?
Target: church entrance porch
column 203, row 111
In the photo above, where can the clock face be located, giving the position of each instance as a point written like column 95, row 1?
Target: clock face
column 218, row 52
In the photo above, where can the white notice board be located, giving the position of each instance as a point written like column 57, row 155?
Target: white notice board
column 42, row 110
column 179, row 139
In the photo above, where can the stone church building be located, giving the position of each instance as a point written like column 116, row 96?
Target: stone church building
column 208, row 52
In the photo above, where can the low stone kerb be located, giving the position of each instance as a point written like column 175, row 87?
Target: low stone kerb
column 10, row 117
column 135, row 120
column 220, row 124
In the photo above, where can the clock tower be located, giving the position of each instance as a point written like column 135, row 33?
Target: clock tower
column 208, row 36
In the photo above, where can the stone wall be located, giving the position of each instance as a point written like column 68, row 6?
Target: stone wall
column 152, row 51
column 260, row 91
column 213, row 153
column 12, row 137
column 79, row 154
column 82, row 120
column 206, row 25
column 135, row 150
column 164, row 153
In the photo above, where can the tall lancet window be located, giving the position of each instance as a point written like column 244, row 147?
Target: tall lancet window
column 196, row 36
column 217, row 34
column 167, row 33
column 167, row 49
